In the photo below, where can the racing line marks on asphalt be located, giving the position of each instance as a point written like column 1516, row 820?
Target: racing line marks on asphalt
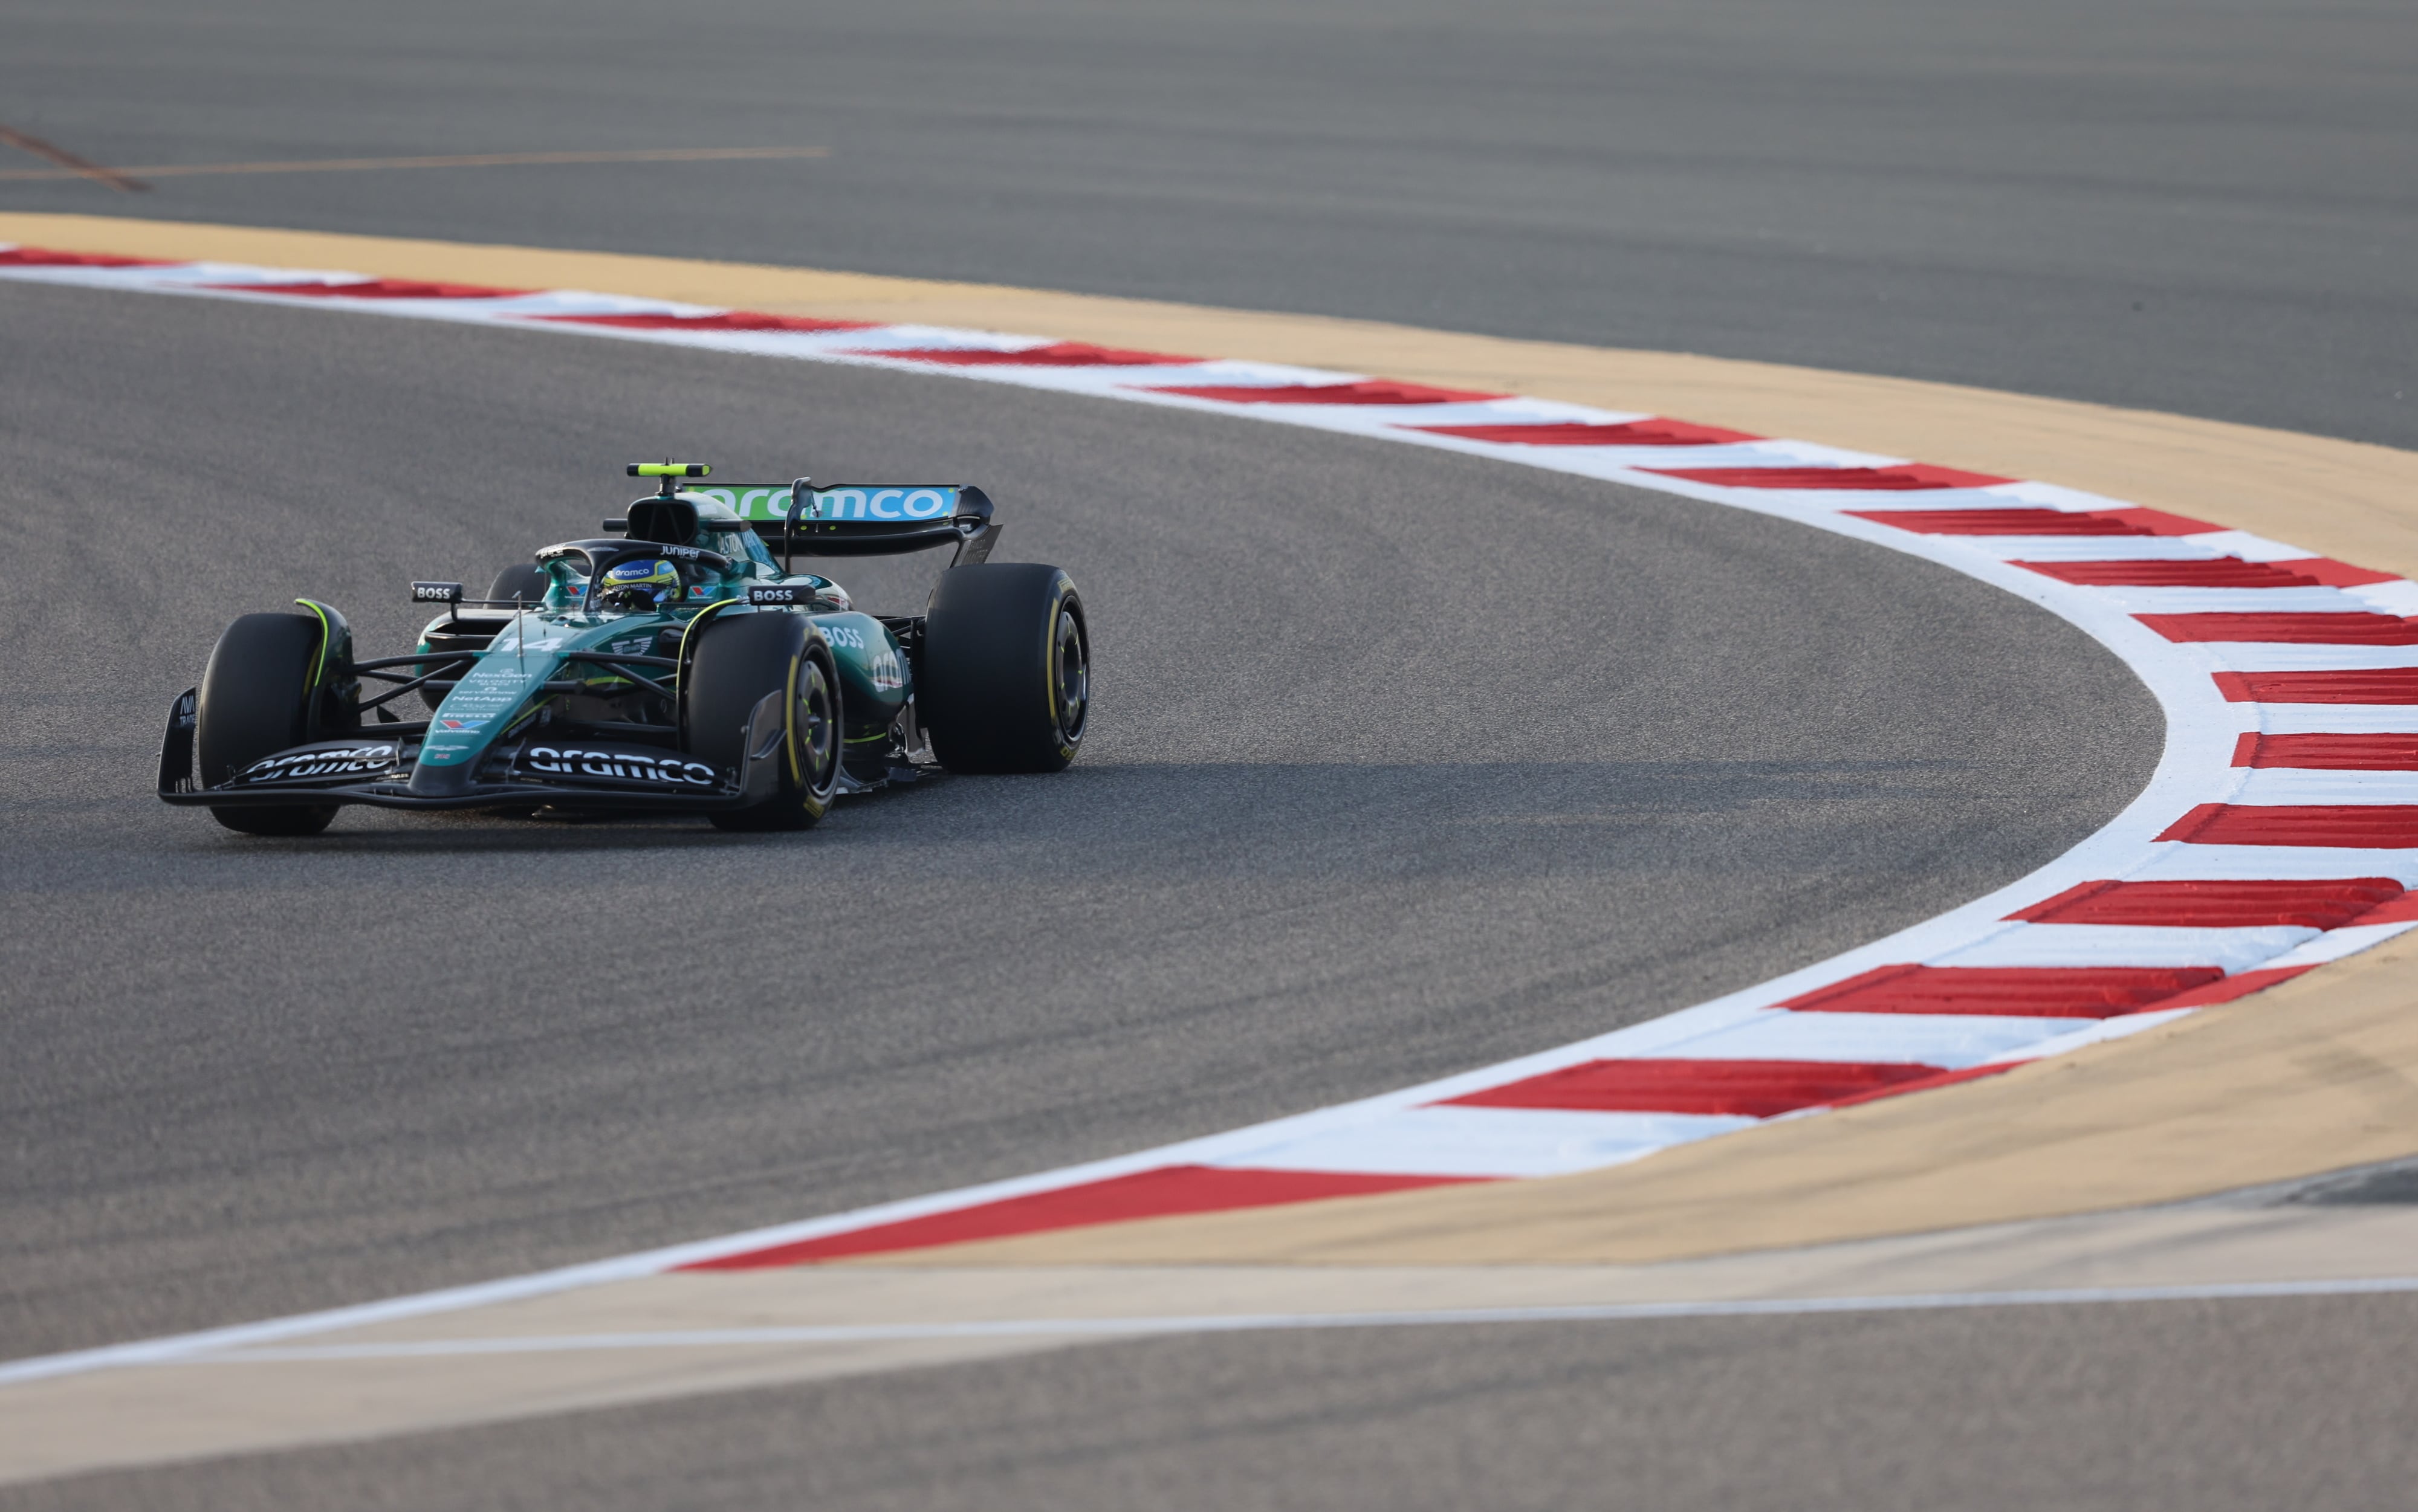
column 69, row 165
column 2269, row 841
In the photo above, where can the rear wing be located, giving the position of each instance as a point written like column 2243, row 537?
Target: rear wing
column 861, row 519
column 865, row 519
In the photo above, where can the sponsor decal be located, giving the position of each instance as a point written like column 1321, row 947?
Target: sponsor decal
column 844, row 635
column 465, row 701
column 749, row 503
column 489, row 690
column 334, row 761
column 437, row 592
column 577, row 762
column 883, row 503
column 868, row 503
column 632, row 646
column 884, row 668
column 762, row 593
column 496, row 687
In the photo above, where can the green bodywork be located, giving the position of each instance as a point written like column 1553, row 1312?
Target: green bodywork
column 523, row 673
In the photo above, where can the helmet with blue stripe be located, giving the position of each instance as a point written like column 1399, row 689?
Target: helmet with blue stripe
column 640, row 585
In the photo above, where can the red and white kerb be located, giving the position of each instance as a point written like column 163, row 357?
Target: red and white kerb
column 2279, row 832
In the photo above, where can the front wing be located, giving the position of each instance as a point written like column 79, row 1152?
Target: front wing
column 369, row 768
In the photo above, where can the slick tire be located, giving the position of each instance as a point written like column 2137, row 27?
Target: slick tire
column 1006, row 679
column 739, row 658
column 256, row 701
column 525, row 581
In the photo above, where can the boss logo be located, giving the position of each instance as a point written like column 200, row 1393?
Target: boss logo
column 437, row 592
column 778, row 595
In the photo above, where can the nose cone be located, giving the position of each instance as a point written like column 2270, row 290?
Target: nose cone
column 439, row 781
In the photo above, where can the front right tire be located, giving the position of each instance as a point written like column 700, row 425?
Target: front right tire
column 737, row 660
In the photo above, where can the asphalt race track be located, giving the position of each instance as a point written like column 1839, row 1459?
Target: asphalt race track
column 1379, row 792
column 1403, row 762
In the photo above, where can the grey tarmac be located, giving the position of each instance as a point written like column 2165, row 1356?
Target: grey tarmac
column 1403, row 763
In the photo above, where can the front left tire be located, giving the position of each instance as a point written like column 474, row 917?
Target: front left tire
column 256, row 700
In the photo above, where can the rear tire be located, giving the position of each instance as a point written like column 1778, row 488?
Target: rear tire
column 1006, row 679
column 256, row 701
column 739, row 659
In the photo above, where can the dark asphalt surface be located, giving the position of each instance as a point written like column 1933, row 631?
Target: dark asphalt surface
column 2202, row 206
column 2144, row 1407
column 1403, row 763
column 1362, row 806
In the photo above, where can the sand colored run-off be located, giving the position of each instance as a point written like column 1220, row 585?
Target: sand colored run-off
column 2316, row 1074
column 661, row 1337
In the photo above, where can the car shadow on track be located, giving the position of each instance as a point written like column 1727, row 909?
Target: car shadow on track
column 1258, row 816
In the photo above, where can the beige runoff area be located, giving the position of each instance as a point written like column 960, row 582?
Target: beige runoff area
column 637, row 1341
column 2319, row 1073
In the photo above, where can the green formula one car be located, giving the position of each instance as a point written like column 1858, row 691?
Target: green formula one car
column 679, row 664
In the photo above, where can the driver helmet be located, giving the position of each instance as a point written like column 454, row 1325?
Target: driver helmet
column 640, row 585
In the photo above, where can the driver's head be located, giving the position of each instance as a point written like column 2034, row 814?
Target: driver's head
column 640, row 585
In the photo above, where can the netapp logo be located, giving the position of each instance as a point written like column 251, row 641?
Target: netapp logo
column 617, row 765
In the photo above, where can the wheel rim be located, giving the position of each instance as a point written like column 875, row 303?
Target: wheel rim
column 818, row 733
column 1072, row 676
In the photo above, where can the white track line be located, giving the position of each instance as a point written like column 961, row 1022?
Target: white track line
column 1273, row 1321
